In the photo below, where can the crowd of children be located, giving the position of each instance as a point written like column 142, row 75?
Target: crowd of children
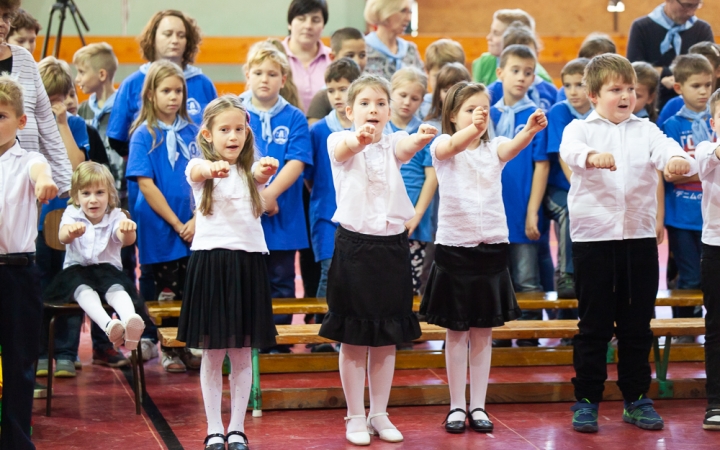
column 438, row 182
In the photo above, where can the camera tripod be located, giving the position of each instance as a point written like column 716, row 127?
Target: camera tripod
column 62, row 6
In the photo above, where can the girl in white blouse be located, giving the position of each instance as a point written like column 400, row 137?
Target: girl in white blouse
column 469, row 290
column 369, row 291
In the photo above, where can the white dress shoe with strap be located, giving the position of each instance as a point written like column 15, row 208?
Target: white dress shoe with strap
column 388, row 434
column 357, row 437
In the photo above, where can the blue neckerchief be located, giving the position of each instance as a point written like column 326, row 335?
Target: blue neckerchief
column 642, row 114
column 411, row 128
column 98, row 111
column 265, row 116
column 188, row 72
column 374, row 41
column 672, row 37
column 700, row 130
column 506, row 124
column 575, row 112
column 173, row 139
column 333, row 122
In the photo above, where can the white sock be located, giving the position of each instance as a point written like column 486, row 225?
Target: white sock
column 352, row 374
column 240, row 388
column 456, row 363
column 211, row 385
column 121, row 302
column 480, row 355
column 381, row 368
column 90, row 302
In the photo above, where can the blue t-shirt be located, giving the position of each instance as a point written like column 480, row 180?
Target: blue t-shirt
column 671, row 108
column 517, row 180
column 157, row 241
column 286, row 230
column 558, row 118
column 548, row 93
column 78, row 128
column 128, row 102
column 322, row 196
column 561, row 95
column 683, row 202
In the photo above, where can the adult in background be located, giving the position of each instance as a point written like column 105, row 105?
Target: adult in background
column 668, row 31
column 387, row 52
column 307, row 55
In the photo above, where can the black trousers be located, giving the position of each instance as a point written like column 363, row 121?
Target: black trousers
column 710, row 264
column 616, row 283
column 20, row 319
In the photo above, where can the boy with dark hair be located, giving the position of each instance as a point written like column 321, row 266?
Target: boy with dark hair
column 23, row 31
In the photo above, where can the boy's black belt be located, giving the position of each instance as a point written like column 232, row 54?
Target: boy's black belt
column 17, row 259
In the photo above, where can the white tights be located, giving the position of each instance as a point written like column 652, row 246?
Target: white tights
column 117, row 298
column 380, row 367
column 240, row 385
column 456, row 361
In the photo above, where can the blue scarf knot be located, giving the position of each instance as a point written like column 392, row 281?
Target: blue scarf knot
column 700, row 130
column 265, row 116
column 98, row 111
column 672, row 37
column 374, row 41
column 506, row 124
column 173, row 140
column 575, row 112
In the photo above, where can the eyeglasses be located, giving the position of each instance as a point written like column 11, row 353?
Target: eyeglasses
column 7, row 17
column 689, row 6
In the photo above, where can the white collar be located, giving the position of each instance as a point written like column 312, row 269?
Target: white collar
column 15, row 150
column 595, row 116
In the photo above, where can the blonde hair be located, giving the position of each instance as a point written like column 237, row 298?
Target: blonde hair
column 245, row 159
column 377, row 11
column 508, row 16
column 443, row 51
column 372, row 81
column 89, row 173
column 98, row 55
column 11, row 94
column 260, row 51
column 409, row 75
column 158, row 71
column 714, row 100
column 605, row 67
column 55, row 76
column 456, row 96
column 289, row 90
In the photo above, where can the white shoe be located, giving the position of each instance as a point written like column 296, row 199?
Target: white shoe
column 149, row 350
column 388, row 434
column 115, row 332
column 357, row 437
column 134, row 328
column 172, row 363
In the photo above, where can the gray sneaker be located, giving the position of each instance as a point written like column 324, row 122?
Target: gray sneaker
column 65, row 368
column 566, row 286
column 42, row 368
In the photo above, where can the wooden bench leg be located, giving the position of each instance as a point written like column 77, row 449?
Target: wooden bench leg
column 141, row 369
column 51, row 361
column 256, row 394
column 134, row 361
column 665, row 387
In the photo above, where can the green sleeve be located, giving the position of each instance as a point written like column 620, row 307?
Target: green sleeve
column 542, row 73
column 483, row 69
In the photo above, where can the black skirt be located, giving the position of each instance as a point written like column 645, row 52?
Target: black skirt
column 470, row 287
column 370, row 291
column 227, row 301
column 99, row 277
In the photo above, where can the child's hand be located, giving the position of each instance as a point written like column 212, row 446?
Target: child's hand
column 659, row 231
column 676, row 166
column 270, row 203
column 412, row 224
column 45, row 189
column 76, row 230
column 479, row 118
column 365, row 134
column 187, row 231
column 60, row 112
column 127, row 226
column 425, row 134
column 601, row 161
column 267, row 166
column 536, row 122
column 531, row 226
column 219, row 169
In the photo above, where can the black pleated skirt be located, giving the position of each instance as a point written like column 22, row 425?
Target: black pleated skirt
column 369, row 291
column 227, row 301
column 470, row 287
column 98, row 276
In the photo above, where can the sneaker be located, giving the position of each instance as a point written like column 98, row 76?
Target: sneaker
column 172, row 363
column 64, row 368
column 642, row 414
column 712, row 419
column 683, row 340
column 78, row 364
column 528, row 342
column 149, row 349
column 323, row 348
column 500, row 343
column 110, row 358
column 115, row 332
column 190, row 360
column 585, row 416
column 566, row 286
column 40, row 390
column 42, row 368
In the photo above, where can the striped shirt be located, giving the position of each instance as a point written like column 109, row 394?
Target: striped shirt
column 41, row 132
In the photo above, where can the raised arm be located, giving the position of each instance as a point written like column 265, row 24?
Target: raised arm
column 407, row 147
column 536, row 123
column 45, row 187
column 265, row 168
column 209, row 169
column 354, row 143
column 460, row 141
column 126, row 232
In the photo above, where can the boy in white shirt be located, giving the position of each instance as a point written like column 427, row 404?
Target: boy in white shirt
column 614, row 157
column 24, row 176
column 708, row 157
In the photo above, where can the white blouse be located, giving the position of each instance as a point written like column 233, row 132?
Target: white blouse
column 232, row 225
column 99, row 244
column 709, row 173
column 471, row 208
column 369, row 190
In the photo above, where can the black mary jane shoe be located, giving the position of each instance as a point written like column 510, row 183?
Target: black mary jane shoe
column 481, row 426
column 455, row 426
column 237, row 445
column 215, row 446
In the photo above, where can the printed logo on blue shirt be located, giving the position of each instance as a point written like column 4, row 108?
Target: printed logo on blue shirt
column 545, row 104
column 194, row 150
column 280, row 134
column 193, row 107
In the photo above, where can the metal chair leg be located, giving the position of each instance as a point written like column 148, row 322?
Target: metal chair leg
column 136, row 381
column 141, row 368
column 51, row 361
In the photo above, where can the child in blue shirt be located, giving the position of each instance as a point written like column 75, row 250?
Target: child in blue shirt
column 576, row 106
column 525, row 177
column 683, row 195
column 162, row 143
column 281, row 131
